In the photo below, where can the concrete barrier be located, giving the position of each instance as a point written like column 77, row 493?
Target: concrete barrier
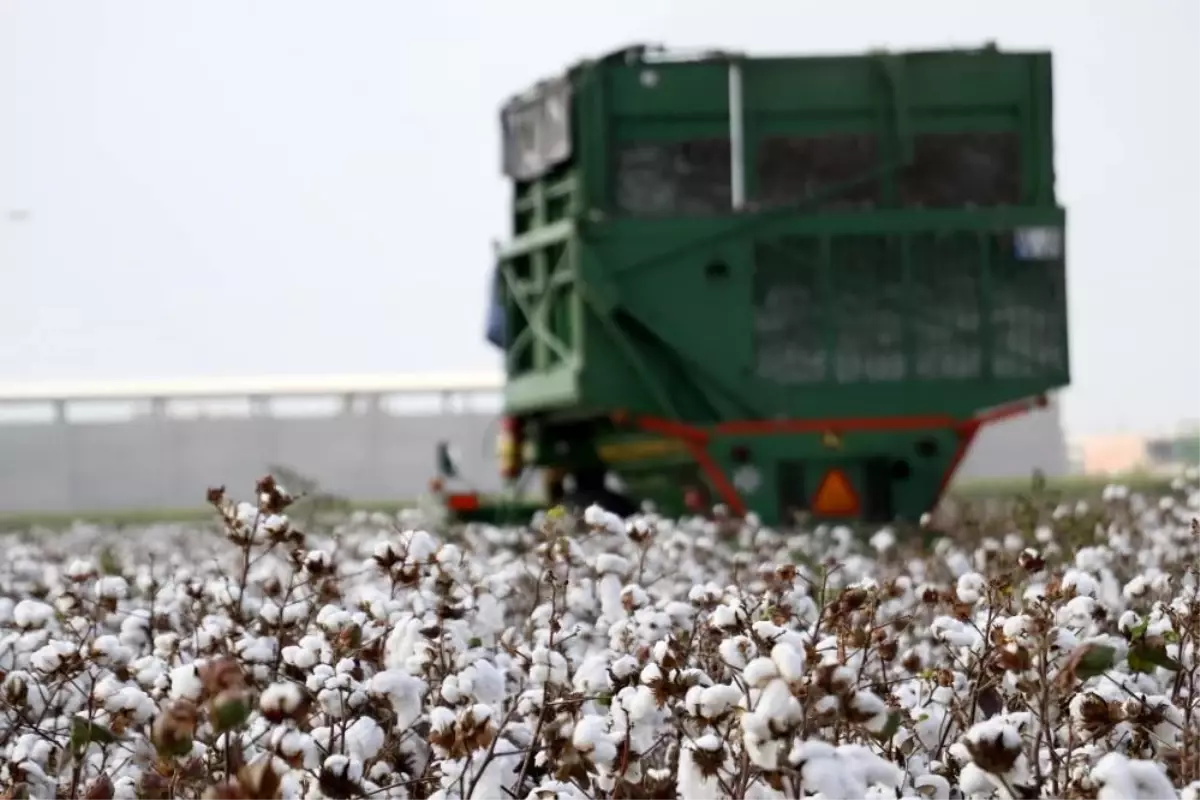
column 168, row 463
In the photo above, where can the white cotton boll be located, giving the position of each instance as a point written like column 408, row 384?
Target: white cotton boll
column 81, row 569
column 345, row 767
column 549, row 666
column 789, row 661
column 690, row 781
column 958, row 563
column 1019, row 628
column 1082, row 582
column 954, row 633
column 764, row 751
column 419, row 546
column 624, row 667
column 779, row 706
column 317, row 561
column 292, row 744
column 727, row 616
column 591, row 677
column 450, row 691
column 709, row 594
column 281, row 698
column 318, row 678
column 934, row 787
column 185, row 683
column 364, row 739
column 883, row 540
column 258, row 650
column 49, row 658
column 594, row 515
column 996, row 731
column 737, row 651
column 974, row 782
column 32, row 614
column 869, row 768
column 299, row 657
column 609, row 591
column 486, row 684
column 403, row 691
column 386, row 552
column 844, row 772
column 760, row 671
column 1137, row 588
column 650, row 674
column 1128, row 621
column 867, row 703
column 31, row 748
column 1123, row 778
column 332, row 619
column 613, row 564
column 1077, row 612
column 591, row 738
column 971, row 587
column 112, row 587
column 717, row 700
column 599, row 518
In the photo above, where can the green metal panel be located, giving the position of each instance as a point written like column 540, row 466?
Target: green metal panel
column 834, row 315
column 840, row 237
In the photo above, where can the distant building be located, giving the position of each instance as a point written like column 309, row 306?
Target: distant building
column 1180, row 450
column 1112, row 454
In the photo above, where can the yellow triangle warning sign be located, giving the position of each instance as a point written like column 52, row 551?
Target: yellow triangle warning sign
column 835, row 497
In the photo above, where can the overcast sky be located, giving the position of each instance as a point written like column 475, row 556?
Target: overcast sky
column 292, row 186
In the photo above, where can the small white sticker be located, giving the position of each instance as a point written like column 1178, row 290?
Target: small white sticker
column 1038, row 244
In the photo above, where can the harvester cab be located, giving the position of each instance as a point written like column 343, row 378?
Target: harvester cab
column 784, row 284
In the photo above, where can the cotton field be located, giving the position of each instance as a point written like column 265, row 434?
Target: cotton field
column 1049, row 651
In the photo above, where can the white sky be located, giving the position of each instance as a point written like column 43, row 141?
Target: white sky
column 232, row 188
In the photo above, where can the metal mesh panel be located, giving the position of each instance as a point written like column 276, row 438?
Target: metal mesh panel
column 685, row 178
column 955, row 170
column 945, row 306
column 1028, row 312
column 868, row 284
column 788, row 342
column 793, row 170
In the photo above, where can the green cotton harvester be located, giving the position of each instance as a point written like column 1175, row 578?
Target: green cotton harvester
column 783, row 284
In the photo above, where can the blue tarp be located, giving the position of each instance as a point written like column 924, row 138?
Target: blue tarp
column 497, row 322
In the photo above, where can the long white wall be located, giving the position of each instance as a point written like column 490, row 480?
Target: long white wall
column 72, row 458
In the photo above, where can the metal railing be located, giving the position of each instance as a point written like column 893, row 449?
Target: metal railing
column 287, row 396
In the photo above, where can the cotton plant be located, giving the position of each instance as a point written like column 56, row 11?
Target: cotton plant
column 1048, row 650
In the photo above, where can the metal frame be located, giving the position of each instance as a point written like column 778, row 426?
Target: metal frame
column 236, row 387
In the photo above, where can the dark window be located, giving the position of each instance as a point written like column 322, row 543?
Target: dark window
column 834, row 172
column 674, row 178
column 953, row 170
